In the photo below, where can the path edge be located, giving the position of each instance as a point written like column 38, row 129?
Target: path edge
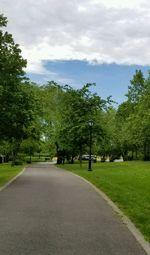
column 13, row 179
column 133, row 229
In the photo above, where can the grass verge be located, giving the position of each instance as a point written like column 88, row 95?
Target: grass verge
column 7, row 172
column 127, row 184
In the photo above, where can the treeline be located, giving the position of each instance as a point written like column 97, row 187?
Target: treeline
column 56, row 120
column 132, row 120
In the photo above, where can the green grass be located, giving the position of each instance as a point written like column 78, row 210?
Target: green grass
column 7, row 172
column 127, row 184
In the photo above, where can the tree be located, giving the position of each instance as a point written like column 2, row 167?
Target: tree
column 51, row 97
column 137, row 87
column 143, row 121
column 133, row 119
column 11, row 76
column 16, row 98
column 79, row 107
column 109, row 144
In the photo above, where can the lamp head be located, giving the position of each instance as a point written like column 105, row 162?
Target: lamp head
column 90, row 123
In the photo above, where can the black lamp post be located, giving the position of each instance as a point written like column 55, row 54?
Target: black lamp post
column 90, row 146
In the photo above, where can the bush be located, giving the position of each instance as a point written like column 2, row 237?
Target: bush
column 28, row 161
column 17, row 162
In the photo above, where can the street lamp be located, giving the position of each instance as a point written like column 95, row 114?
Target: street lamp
column 90, row 145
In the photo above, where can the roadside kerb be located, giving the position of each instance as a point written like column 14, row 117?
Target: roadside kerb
column 12, row 180
column 136, row 233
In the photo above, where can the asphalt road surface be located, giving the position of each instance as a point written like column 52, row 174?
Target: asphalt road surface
column 48, row 211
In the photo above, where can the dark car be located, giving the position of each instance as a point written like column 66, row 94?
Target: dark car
column 113, row 157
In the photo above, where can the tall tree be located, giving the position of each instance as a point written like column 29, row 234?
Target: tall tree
column 133, row 118
column 16, row 97
column 137, row 87
column 51, row 97
column 79, row 108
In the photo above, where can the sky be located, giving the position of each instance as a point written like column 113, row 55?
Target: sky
column 81, row 41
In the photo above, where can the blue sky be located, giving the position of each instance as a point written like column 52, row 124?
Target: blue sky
column 110, row 79
column 78, row 41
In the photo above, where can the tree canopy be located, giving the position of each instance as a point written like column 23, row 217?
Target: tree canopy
column 17, row 102
column 55, row 119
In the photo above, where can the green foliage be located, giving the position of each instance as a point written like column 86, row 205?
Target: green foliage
column 78, row 108
column 137, row 87
column 51, row 97
column 133, row 118
column 29, row 146
column 109, row 141
column 14, row 101
column 19, row 101
column 55, row 119
column 7, row 172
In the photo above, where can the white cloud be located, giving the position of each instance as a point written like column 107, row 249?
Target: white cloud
column 95, row 30
column 119, row 3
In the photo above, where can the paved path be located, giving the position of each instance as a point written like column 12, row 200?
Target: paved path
column 48, row 211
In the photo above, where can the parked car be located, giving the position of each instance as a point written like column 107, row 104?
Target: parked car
column 113, row 157
column 87, row 157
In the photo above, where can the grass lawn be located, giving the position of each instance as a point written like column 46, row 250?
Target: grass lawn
column 7, row 172
column 127, row 184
